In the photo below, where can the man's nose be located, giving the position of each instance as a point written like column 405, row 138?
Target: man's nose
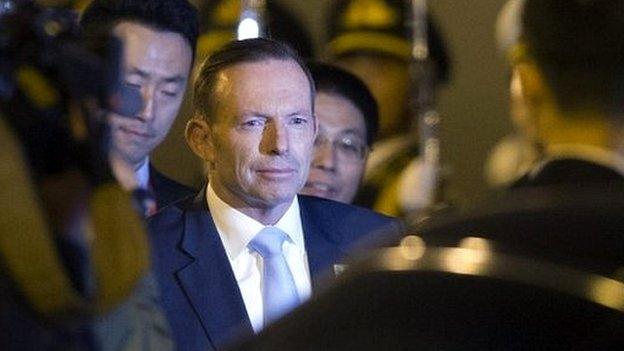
column 277, row 139
column 148, row 96
column 324, row 155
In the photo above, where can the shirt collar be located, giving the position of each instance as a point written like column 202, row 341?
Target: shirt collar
column 594, row 154
column 143, row 175
column 237, row 229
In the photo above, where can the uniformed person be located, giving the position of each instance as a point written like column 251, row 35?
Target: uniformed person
column 372, row 39
column 571, row 73
column 517, row 152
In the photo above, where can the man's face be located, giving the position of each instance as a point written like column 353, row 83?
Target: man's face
column 157, row 63
column 388, row 80
column 262, row 134
column 340, row 150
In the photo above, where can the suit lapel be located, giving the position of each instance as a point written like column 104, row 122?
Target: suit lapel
column 208, row 281
column 322, row 253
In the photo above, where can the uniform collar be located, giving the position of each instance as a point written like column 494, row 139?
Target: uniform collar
column 589, row 153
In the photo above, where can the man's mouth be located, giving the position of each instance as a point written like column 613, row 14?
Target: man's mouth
column 276, row 173
column 135, row 132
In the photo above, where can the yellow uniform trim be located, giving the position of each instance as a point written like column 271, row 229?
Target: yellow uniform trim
column 36, row 87
column 371, row 41
column 210, row 42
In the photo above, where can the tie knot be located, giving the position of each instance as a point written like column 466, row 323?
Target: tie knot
column 268, row 242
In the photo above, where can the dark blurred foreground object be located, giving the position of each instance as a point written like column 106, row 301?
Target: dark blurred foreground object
column 527, row 271
column 577, row 225
column 52, row 83
column 74, row 259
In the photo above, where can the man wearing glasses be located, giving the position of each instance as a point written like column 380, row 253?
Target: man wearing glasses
column 348, row 123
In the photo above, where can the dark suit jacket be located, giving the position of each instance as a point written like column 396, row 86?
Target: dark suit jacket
column 570, row 212
column 198, row 288
column 167, row 190
column 571, row 171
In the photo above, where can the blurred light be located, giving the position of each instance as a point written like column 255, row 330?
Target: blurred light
column 466, row 261
column 339, row 269
column 475, row 243
column 7, row 7
column 608, row 292
column 248, row 28
column 52, row 28
column 412, row 247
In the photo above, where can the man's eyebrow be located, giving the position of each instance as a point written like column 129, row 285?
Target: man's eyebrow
column 300, row 113
column 138, row 71
column 353, row 131
column 145, row 74
column 175, row 79
column 247, row 113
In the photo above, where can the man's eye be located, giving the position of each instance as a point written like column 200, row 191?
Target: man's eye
column 170, row 93
column 253, row 123
column 170, row 90
column 133, row 85
column 350, row 145
column 298, row 120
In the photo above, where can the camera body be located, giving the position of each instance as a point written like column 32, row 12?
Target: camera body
column 54, row 85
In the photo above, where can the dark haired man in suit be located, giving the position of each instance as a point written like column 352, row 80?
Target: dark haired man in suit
column 159, row 39
column 347, row 114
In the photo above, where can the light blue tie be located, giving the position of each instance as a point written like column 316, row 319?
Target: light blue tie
column 279, row 290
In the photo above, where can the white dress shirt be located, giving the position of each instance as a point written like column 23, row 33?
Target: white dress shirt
column 143, row 175
column 237, row 230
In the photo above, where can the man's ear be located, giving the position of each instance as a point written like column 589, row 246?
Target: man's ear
column 317, row 125
column 198, row 135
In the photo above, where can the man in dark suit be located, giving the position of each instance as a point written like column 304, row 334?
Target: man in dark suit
column 159, row 39
column 255, row 127
column 571, row 67
column 348, row 123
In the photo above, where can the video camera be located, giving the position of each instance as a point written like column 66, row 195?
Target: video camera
column 54, row 83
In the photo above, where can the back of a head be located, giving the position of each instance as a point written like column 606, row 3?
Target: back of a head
column 237, row 52
column 177, row 16
column 579, row 47
column 336, row 81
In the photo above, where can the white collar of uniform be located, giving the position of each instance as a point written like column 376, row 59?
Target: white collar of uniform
column 237, row 229
column 594, row 154
column 142, row 174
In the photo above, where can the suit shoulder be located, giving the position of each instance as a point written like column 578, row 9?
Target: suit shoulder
column 330, row 206
column 166, row 189
column 344, row 223
column 340, row 215
column 169, row 218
